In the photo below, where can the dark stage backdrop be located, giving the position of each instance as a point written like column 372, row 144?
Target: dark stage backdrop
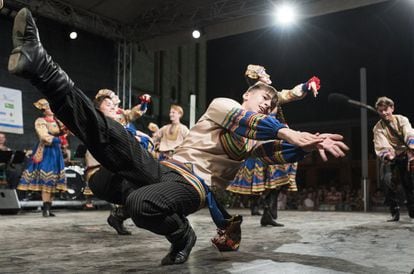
column 378, row 37
column 89, row 61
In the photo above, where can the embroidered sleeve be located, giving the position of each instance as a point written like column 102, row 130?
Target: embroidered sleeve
column 278, row 152
column 381, row 142
column 235, row 146
column 43, row 132
column 289, row 95
column 252, row 125
column 134, row 113
column 408, row 131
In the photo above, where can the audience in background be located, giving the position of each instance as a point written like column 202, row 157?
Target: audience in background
column 3, row 140
column 282, row 200
column 345, row 199
column 308, row 203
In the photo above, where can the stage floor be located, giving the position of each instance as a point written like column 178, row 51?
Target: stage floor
column 310, row 242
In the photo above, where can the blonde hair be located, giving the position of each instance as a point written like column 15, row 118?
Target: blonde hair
column 153, row 127
column 42, row 104
column 260, row 85
column 384, row 102
column 105, row 92
column 178, row 109
column 109, row 93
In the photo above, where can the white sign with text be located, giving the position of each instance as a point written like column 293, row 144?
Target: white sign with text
column 11, row 114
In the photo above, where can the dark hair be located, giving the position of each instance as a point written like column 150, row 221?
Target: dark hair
column 97, row 102
column 280, row 116
column 275, row 101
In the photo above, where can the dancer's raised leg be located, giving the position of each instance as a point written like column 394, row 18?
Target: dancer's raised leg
column 107, row 140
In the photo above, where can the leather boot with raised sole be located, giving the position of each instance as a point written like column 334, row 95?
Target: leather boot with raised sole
column 268, row 220
column 180, row 250
column 395, row 213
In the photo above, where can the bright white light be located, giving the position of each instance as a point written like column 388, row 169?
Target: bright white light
column 285, row 14
column 73, row 35
column 196, row 34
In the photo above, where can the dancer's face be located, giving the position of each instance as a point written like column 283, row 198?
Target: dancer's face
column 385, row 112
column 257, row 100
column 107, row 107
column 174, row 116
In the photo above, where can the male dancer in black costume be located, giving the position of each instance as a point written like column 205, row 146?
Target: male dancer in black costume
column 157, row 195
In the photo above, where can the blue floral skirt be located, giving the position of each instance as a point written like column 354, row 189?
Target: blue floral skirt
column 47, row 175
column 254, row 177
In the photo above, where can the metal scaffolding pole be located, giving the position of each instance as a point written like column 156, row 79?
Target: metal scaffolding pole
column 124, row 73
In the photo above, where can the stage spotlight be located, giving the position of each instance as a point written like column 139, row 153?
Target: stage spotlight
column 73, row 35
column 196, row 34
column 285, row 14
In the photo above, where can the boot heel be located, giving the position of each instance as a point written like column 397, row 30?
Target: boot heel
column 13, row 65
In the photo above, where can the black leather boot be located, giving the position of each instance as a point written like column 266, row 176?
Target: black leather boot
column 182, row 242
column 395, row 213
column 410, row 209
column 267, row 219
column 51, row 214
column 116, row 220
column 254, row 206
column 46, row 210
column 273, row 203
column 30, row 60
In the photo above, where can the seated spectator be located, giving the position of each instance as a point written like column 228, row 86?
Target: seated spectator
column 320, row 197
column 3, row 140
column 334, row 197
column 308, row 203
column 357, row 201
column 282, row 200
column 346, row 199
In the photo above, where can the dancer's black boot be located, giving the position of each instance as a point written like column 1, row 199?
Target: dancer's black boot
column 273, row 206
column 116, row 220
column 254, row 206
column 30, row 60
column 267, row 219
column 46, row 210
column 410, row 209
column 182, row 241
column 411, row 213
column 395, row 213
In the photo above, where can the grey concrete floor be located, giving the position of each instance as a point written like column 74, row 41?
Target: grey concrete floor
column 311, row 242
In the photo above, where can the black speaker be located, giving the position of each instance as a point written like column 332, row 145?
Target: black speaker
column 9, row 203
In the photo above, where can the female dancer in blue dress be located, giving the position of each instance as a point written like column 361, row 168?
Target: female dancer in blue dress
column 46, row 169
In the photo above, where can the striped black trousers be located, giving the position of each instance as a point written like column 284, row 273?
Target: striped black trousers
column 388, row 170
column 158, row 198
